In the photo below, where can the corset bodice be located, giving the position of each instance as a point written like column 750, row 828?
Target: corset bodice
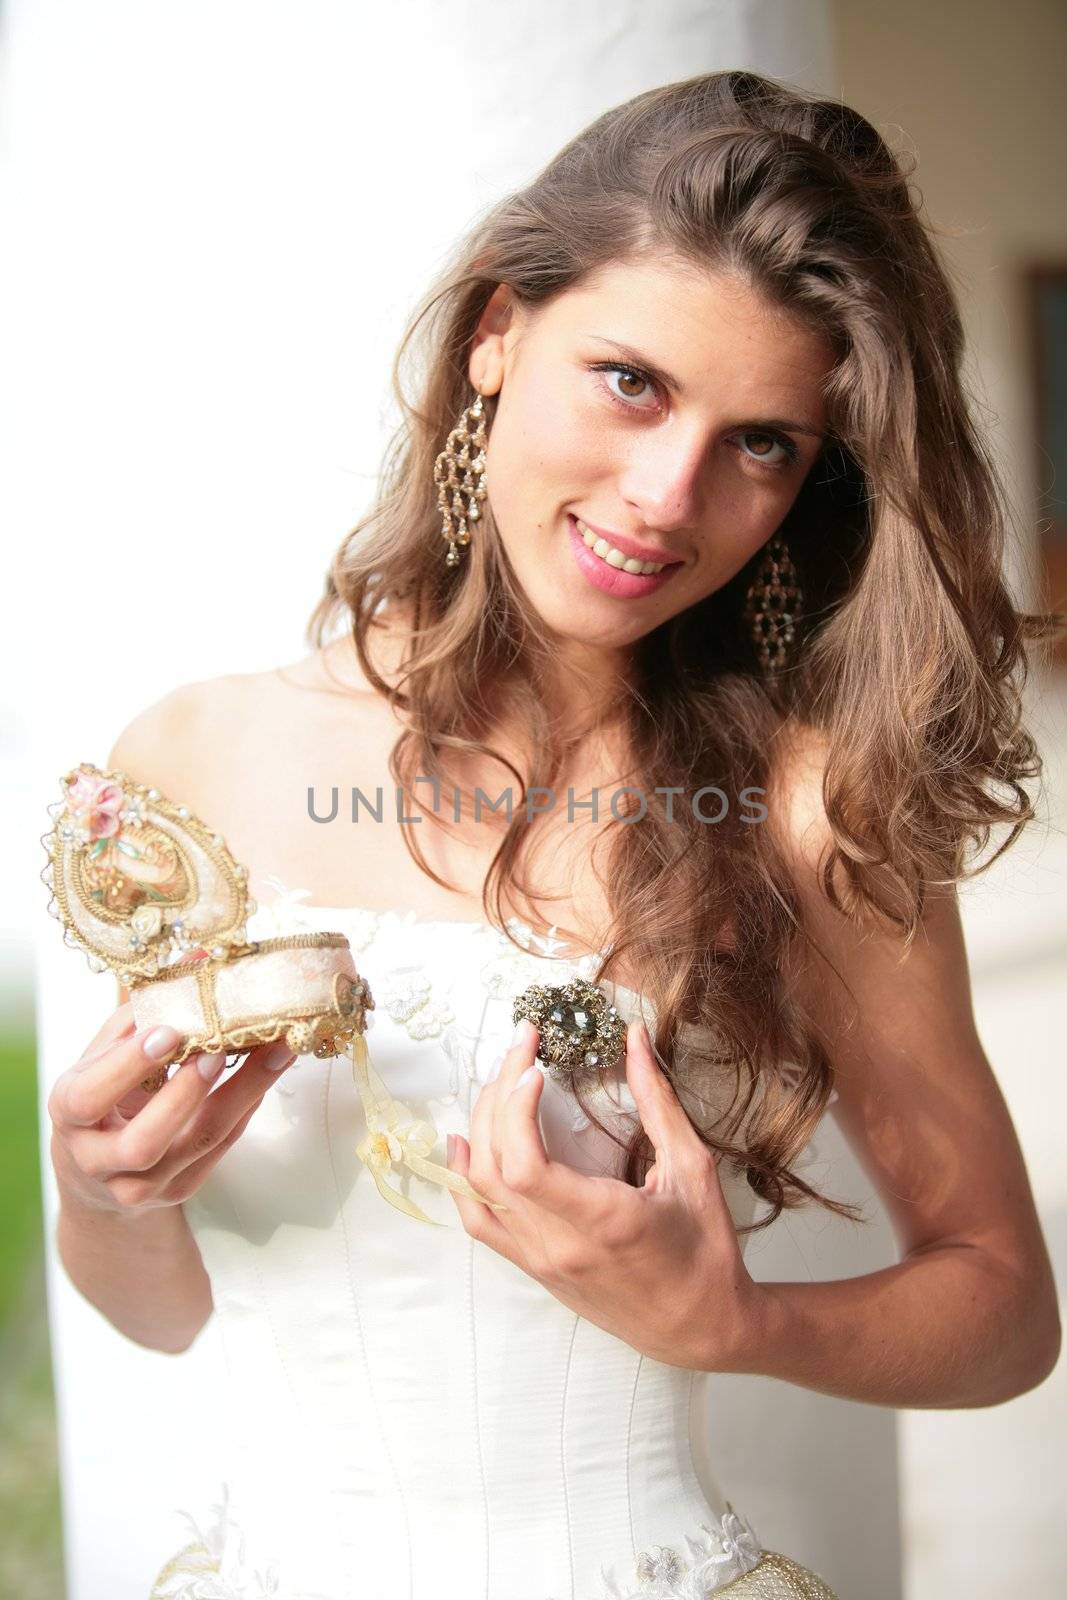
column 413, row 1417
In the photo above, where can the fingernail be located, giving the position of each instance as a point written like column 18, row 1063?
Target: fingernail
column 209, row 1067
column 519, row 1036
column 528, row 1076
column 450, row 1146
column 494, row 1070
column 160, row 1042
column 278, row 1056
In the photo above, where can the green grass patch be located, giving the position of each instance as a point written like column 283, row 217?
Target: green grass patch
column 31, row 1539
column 21, row 1226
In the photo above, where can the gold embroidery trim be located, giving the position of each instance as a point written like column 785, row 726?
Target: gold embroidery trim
column 293, row 941
column 132, row 967
column 321, row 1030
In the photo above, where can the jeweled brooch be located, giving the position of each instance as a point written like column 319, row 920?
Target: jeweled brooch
column 581, row 1032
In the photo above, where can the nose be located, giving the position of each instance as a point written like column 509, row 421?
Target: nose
column 663, row 477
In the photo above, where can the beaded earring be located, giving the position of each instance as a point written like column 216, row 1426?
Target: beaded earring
column 459, row 472
column 772, row 604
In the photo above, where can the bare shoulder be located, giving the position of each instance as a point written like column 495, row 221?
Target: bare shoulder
column 242, row 750
column 204, row 737
column 802, row 832
column 174, row 735
column 796, row 810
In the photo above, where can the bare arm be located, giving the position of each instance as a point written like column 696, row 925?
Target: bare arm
column 968, row 1317
column 125, row 1159
column 141, row 1270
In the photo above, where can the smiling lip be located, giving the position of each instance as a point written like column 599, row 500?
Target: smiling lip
column 613, row 580
column 630, row 547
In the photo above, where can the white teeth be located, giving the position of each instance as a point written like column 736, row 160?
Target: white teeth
column 613, row 557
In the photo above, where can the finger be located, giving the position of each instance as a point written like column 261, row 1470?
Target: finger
column 116, row 1026
column 161, row 1137
column 137, row 1142
column 662, row 1114
column 484, row 1173
column 683, row 1160
column 525, row 1166
column 84, row 1094
column 190, row 1178
column 216, row 1116
column 519, row 1146
column 521, row 1055
column 484, row 1140
column 478, row 1220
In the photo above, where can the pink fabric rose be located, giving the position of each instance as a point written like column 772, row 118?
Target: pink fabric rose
column 96, row 803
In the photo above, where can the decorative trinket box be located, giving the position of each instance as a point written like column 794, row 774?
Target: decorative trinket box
column 140, row 884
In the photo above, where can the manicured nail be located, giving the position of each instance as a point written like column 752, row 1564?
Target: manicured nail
column 160, row 1042
column 278, row 1056
column 520, row 1034
column 209, row 1067
column 528, row 1077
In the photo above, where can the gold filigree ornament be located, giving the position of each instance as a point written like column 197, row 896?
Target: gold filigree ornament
column 141, row 885
column 580, row 1031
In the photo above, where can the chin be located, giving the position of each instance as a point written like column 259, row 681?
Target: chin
column 571, row 616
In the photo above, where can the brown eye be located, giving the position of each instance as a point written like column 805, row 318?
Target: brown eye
column 631, row 385
column 628, row 387
column 768, row 442
column 763, row 456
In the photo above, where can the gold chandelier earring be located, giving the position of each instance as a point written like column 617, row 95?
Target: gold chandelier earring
column 459, row 473
column 772, row 605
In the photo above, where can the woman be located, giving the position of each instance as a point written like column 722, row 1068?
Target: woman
column 689, row 552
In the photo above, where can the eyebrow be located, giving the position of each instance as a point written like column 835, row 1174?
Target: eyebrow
column 670, row 382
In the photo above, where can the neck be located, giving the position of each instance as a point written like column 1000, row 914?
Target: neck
column 585, row 687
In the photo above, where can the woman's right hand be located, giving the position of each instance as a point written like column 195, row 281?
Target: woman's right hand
column 118, row 1147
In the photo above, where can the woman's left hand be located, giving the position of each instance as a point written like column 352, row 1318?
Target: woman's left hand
column 659, row 1265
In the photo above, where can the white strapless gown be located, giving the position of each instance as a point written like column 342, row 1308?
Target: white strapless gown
column 414, row 1417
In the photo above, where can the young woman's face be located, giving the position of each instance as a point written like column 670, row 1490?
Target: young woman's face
column 654, row 411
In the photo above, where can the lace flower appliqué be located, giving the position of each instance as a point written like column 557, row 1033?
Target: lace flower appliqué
column 718, row 1557
column 459, row 1045
column 406, row 994
column 215, row 1565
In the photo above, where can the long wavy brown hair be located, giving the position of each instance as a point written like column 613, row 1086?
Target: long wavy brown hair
column 910, row 655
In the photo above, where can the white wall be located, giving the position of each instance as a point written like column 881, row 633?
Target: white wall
column 219, row 215
column 976, row 92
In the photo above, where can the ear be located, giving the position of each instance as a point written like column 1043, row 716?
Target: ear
column 485, row 364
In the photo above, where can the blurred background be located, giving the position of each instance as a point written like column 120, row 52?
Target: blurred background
column 216, row 217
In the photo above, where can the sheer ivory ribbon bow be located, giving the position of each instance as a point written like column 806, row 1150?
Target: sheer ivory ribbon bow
column 395, row 1138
